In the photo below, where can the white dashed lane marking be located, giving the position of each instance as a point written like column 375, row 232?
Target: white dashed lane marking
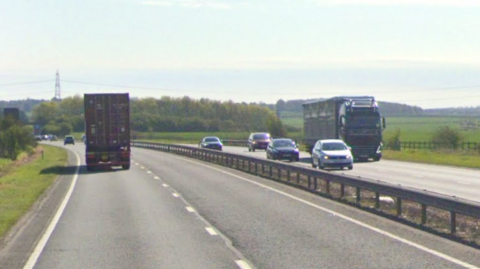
column 211, row 231
column 242, row 264
column 175, row 195
column 190, row 209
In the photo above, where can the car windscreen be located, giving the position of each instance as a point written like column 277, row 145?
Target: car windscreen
column 211, row 139
column 334, row 146
column 283, row 144
column 261, row 136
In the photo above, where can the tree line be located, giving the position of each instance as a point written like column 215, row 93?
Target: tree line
column 166, row 114
column 185, row 114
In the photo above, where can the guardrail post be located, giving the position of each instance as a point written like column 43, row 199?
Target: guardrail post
column 358, row 194
column 377, row 200
column 453, row 222
column 399, row 206
column 298, row 178
column 249, row 168
column 424, row 214
column 342, row 190
column 256, row 169
column 288, row 175
column 279, row 173
column 315, row 183
column 271, row 172
column 309, row 181
column 327, row 186
column 263, row 168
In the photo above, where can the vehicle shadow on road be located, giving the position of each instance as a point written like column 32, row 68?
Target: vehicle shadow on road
column 71, row 169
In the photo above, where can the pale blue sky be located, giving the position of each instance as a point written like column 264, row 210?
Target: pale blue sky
column 417, row 52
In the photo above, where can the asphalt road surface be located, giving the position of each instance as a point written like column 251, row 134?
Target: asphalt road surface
column 173, row 212
column 452, row 181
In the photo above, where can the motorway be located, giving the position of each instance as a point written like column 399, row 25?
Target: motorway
column 452, row 181
column 173, row 212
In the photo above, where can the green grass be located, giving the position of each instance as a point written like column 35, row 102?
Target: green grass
column 418, row 129
column 23, row 185
column 195, row 137
column 453, row 158
column 422, row 128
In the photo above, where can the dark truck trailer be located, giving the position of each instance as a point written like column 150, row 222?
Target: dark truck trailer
column 107, row 130
column 356, row 120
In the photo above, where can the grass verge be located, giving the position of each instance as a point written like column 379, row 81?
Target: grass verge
column 23, row 183
column 446, row 157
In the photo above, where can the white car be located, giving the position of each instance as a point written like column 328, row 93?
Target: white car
column 331, row 153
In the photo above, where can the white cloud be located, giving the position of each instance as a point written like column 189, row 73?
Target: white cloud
column 189, row 3
column 457, row 3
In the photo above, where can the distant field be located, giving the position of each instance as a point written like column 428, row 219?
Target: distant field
column 419, row 128
column 195, row 137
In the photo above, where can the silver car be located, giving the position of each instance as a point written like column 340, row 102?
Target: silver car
column 331, row 153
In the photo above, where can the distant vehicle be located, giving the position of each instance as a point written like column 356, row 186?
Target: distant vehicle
column 45, row 137
column 211, row 142
column 355, row 120
column 107, row 130
column 38, row 137
column 84, row 138
column 283, row 148
column 258, row 141
column 53, row 138
column 69, row 140
column 331, row 153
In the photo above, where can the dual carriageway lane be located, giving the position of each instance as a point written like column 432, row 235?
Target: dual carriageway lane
column 173, row 212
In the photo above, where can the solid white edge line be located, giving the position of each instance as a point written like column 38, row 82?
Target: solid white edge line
column 242, row 264
column 190, row 209
column 385, row 233
column 46, row 236
column 211, row 231
column 175, row 195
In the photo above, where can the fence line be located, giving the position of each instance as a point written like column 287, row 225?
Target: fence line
column 433, row 145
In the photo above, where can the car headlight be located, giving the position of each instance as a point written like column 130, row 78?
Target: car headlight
column 349, row 156
column 253, row 142
column 325, row 157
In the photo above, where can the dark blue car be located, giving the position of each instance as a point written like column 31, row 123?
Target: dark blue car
column 211, row 142
column 283, row 149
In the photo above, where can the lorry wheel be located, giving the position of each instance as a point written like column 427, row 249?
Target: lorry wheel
column 249, row 149
column 253, row 149
column 89, row 168
column 125, row 166
column 350, row 167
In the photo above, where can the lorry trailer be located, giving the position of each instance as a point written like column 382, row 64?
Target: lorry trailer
column 354, row 119
column 107, row 130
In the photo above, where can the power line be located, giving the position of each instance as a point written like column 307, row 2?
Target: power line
column 117, row 86
column 25, row 83
column 27, row 93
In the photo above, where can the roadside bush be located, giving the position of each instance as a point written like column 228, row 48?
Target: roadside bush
column 14, row 140
column 393, row 142
column 446, row 137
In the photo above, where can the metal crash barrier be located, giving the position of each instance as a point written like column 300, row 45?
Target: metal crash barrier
column 441, row 213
